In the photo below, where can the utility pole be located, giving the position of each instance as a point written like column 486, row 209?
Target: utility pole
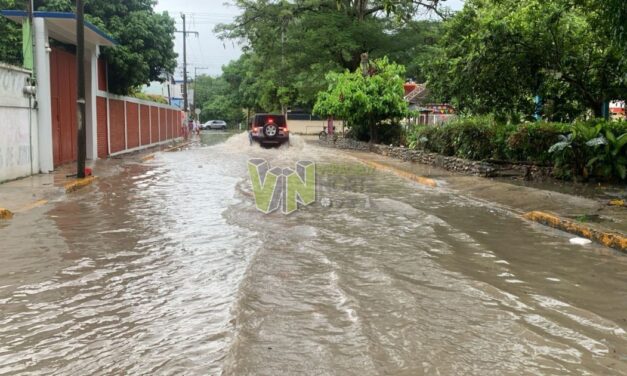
column 184, row 64
column 185, row 32
column 80, row 64
column 196, row 71
column 169, row 79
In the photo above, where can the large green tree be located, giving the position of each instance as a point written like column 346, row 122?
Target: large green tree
column 291, row 45
column 366, row 101
column 10, row 37
column 146, row 38
column 498, row 54
column 216, row 99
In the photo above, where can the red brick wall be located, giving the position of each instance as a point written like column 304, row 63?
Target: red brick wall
column 172, row 116
column 118, row 137
column 145, row 124
column 102, row 135
column 178, row 122
column 132, row 125
column 154, row 126
column 169, row 114
column 167, row 124
column 162, row 125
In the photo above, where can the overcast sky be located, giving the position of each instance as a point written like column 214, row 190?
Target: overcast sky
column 206, row 54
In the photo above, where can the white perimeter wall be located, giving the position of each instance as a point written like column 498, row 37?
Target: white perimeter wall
column 18, row 133
column 311, row 126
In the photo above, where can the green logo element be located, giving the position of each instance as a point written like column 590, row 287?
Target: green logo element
column 283, row 188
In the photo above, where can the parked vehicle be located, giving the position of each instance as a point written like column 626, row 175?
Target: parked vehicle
column 214, row 124
column 268, row 129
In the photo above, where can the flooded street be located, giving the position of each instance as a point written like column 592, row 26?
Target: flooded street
column 166, row 267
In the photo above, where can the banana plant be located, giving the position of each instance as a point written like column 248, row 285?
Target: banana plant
column 610, row 155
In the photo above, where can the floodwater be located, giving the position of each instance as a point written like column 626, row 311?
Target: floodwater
column 166, row 267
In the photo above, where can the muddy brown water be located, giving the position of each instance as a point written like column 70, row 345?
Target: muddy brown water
column 167, row 268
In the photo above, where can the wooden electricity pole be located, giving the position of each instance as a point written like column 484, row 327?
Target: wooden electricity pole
column 185, row 32
column 80, row 65
column 184, row 65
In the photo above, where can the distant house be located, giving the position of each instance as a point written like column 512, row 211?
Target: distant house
column 427, row 113
column 617, row 110
column 171, row 91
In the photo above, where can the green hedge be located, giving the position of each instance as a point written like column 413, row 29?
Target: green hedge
column 481, row 138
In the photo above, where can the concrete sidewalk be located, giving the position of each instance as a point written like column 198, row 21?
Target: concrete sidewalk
column 590, row 209
column 21, row 195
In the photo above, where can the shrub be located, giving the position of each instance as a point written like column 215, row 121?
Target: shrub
column 150, row 97
column 592, row 148
column 531, row 141
column 472, row 137
column 581, row 149
column 389, row 133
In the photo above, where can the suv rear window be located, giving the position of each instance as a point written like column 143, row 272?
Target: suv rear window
column 261, row 120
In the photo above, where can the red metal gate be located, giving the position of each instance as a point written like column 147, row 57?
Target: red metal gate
column 64, row 94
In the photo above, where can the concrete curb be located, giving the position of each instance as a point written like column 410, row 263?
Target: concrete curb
column 5, row 214
column 177, row 146
column 428, row 182
column 608, row 239
column 78, row 184
column 148, row 157
column 32, row 205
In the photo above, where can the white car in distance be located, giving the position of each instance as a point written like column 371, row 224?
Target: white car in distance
column 214, row 124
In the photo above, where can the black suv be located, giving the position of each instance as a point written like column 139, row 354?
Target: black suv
column 268, row 129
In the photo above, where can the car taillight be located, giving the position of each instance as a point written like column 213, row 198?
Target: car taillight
column 255, row 129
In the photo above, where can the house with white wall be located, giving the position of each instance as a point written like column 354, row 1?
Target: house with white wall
column 114, row 124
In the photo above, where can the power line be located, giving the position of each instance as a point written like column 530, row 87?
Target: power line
column 185, row 32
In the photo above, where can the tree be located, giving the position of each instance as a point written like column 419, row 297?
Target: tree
column 217, row 100
column 291, row 46
column 10, row 44
column 498, row 54
column 365, row 101
column 146, row 42
column 146, row 39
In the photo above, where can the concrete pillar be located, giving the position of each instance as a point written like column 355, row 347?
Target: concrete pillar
column 44, row 95
column 91, row 112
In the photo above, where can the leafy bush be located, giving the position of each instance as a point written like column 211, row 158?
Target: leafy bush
column 389, row 133
column 610, row 157
column 473, row 138
column 592, row 149
column 150, row 97
column 531, row 141
column 581, row 149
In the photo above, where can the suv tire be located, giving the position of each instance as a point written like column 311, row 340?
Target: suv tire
column 270, row 130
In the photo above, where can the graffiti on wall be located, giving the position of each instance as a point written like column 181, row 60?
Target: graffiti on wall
column 15, row 146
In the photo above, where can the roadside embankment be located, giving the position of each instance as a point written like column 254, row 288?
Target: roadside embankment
column 458, row 165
